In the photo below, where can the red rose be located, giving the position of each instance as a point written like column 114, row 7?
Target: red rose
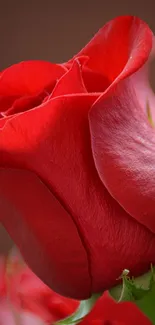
column 77, row 164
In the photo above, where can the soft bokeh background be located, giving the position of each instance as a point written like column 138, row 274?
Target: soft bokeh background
column 55, row 30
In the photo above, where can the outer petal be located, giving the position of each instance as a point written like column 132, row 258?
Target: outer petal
column 121, row 45
column 123, row 144
column 45, row 233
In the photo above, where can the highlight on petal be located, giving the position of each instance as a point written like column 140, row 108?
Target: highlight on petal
column 120, row 47
column 43, row 230
column 123, row 145
column 4, row 120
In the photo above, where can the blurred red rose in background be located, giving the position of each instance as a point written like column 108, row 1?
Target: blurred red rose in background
column 22, row 294
column 8, row 317
column 77, row 187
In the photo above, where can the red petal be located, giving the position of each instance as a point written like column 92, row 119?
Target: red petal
column 44, row 231
column 123, row 44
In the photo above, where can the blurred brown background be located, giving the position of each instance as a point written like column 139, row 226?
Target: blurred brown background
column 55, row 30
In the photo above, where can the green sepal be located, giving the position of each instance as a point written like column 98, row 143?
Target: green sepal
column 83, row 309
column 140, row 291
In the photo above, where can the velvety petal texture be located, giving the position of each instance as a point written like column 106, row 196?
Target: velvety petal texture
column 75, row 167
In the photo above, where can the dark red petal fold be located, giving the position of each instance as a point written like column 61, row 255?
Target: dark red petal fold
column 44, row 231
column 25, row 103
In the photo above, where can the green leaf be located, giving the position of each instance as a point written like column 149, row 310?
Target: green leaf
column 140, row 291
column 84, row 308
